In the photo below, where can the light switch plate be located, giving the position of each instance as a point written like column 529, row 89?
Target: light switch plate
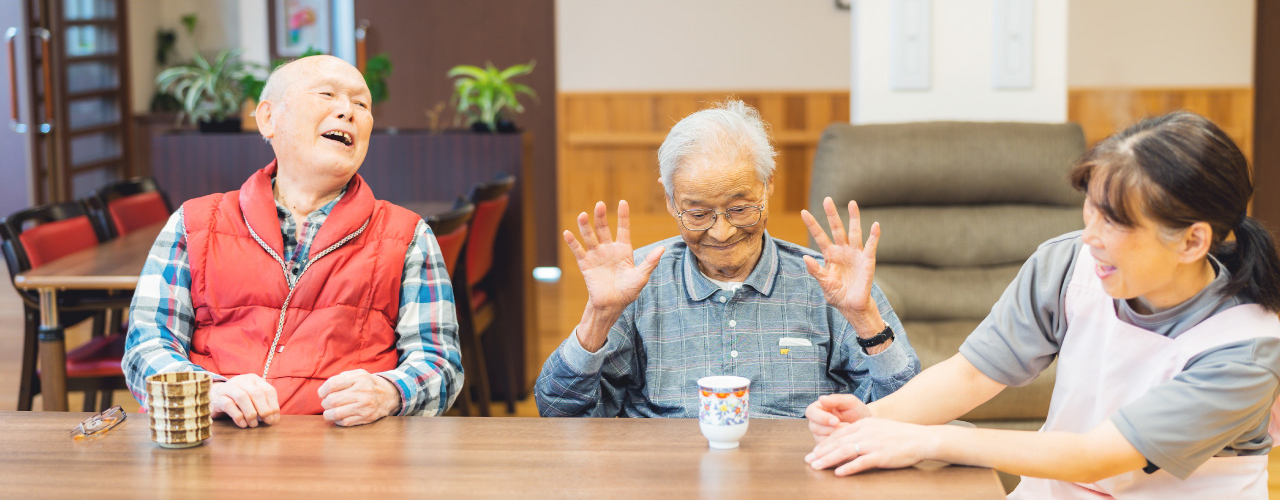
column 1013, row 44
column 910, row 44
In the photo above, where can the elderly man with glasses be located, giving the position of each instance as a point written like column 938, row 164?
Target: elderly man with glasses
column 723, row 298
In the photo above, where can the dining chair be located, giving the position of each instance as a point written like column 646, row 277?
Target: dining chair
column 32, row 238
column 490, row 200
column 451, row 230
column 126, row 206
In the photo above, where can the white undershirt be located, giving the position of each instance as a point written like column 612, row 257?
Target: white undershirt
column 728, row 286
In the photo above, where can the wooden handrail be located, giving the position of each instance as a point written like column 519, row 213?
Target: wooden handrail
column 14, row 121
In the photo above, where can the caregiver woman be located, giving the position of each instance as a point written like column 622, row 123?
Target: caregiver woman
column 1162, row 314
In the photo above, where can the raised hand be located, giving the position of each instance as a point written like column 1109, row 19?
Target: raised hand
column 849, row 266
column 613, row 279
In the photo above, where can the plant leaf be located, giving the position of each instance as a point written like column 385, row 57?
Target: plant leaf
column 465, row 70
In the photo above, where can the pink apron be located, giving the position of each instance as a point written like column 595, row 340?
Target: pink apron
column 1106, row 363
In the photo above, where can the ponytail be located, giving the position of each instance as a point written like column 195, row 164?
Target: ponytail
column 1254, row 265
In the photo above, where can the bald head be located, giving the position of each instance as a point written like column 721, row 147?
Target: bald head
column 316, row 114
column 287, row 74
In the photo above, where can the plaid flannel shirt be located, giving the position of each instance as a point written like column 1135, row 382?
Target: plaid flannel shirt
column 776, row 330
column 162, row 318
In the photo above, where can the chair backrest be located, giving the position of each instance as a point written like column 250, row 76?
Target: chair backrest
column 39, row 235
column 451, row 229
column 490, row 201
column 126, row 206
column 961, row 206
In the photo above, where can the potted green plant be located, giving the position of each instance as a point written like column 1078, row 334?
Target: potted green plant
column 483, row 94
column 210, row 93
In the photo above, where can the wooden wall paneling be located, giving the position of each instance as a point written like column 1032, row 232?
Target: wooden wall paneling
column 1105, row 111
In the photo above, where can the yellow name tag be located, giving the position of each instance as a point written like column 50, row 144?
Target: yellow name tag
column 784, row 351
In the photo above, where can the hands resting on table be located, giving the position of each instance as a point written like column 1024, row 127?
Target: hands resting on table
column 350, row 398
column 850, row 437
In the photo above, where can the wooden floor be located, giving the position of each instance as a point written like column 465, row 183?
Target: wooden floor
column 558, row 309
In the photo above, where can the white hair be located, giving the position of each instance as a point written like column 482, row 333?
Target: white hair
column 730, row 129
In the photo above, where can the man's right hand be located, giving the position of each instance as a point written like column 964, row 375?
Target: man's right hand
column 831, row 412
column 613, row 280
column 247, row 399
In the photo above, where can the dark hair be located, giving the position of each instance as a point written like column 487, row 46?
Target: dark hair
column 1184, row 170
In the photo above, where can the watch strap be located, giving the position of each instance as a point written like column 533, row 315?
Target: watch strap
column 880, row 338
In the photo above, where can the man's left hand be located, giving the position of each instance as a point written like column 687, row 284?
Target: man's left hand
column 849, row 267
column 358, row 397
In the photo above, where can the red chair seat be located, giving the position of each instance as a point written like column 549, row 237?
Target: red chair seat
column 99, row 357
column 53, row 240
column 451, row 247
column 478, row 298
column 137, row 211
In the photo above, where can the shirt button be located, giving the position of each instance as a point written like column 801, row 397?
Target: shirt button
column 733, row 322
column 296, row 270
column 733, row 354
column 722, row 299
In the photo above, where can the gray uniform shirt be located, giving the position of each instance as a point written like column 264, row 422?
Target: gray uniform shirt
column 1219, row 405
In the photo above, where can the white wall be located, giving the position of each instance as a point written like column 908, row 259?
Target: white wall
column 961, row 85
column 658, row 45
column 1161, row 43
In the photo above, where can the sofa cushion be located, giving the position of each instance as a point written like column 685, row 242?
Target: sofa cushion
column 977, row 235
column 930, row 294
column 947, row 163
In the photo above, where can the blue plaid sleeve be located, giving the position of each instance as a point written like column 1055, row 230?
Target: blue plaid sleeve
column 578, row 383
column 429, row 375
column 161, row 316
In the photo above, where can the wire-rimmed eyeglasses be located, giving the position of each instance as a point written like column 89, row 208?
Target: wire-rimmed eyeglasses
column 99, row 424
column 702, row 219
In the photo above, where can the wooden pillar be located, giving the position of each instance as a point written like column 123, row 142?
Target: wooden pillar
column 1266, row 116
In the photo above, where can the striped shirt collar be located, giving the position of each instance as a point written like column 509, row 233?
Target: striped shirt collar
column 761, row 278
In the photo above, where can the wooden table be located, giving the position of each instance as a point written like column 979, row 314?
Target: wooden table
column 113, row 265
column 305, row 456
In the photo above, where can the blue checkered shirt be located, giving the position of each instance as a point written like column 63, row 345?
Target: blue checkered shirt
column 776, row 330
column 162, row 318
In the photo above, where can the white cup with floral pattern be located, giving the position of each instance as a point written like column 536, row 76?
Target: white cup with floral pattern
column 722, row 409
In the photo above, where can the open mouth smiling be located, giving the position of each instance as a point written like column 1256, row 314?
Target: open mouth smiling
column 339, row 136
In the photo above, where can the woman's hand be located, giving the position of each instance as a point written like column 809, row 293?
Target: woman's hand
column 873, row 443
column 830, row 412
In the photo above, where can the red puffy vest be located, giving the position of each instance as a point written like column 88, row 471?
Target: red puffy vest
column 345, row 306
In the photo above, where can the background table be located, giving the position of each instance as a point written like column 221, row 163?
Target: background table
column 403, row 456
column 112, row 265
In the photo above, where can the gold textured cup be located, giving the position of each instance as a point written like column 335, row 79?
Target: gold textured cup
column 178, row 404
column 180, row 438
column 177, row 384
column 180, row 412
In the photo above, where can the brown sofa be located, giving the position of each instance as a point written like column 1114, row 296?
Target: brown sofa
column 961, row 207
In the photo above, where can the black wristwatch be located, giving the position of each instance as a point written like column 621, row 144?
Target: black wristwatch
column 880, row 338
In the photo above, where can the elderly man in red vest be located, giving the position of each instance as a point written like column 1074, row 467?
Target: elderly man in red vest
column 301, row 293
